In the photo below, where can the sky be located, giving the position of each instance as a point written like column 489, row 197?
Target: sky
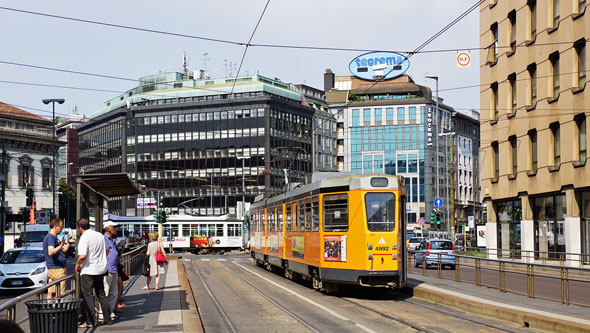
column 400, row 25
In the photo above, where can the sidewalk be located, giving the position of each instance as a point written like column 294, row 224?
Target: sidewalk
column 170, row 309
column 528, row 312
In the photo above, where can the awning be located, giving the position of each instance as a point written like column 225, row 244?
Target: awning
column 110, row 184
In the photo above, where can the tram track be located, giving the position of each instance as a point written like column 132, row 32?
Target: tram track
column 431, row 308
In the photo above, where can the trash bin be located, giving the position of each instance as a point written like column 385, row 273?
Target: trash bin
column 55, row 315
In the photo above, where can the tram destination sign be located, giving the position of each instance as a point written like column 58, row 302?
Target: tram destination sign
column 379, row 65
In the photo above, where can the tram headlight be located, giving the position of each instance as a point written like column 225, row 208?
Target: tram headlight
column 370, row 257
column 394, row 256
column 394, row 246
column 369, row 246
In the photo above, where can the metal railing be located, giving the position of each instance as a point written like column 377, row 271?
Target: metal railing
column 556, row 280
column 15, row 309
column 543, row 257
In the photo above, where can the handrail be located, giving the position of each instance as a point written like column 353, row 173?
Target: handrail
column 129, row 260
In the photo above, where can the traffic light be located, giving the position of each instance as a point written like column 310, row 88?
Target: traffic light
column 163, row 217
column 30, row 195
column 438, row 219
column 27, row 215
column 432, row 218
column 156, row 216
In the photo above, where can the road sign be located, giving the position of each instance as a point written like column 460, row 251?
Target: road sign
column 438, row 202
column 421, row 221
column 463, row 59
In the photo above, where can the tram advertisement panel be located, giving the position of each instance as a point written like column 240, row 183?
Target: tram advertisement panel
column 335, row 248
column 298, row 247
column 177, row 241
column 274, row 243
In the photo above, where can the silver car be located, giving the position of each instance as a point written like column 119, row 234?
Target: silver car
column 23, row 268
column 431, row 251
column 414, row 243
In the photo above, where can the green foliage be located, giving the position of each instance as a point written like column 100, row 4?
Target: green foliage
column 352, row 96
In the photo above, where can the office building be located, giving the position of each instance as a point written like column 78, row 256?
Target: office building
column 535, row 175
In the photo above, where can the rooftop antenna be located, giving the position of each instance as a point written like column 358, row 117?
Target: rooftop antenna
column 205, row 59
column 185, row 63
column 75, row 109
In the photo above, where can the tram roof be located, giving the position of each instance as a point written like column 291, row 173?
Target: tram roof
column 336, row 183
column 174, row 218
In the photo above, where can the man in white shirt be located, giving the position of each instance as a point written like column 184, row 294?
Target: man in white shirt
column 92, row 266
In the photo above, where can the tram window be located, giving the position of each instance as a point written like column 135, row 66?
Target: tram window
column 186, row 231
column 301, row 216
column 308, row 214
column 202, row 230
column 380, row 211
column 166, row 230
column 194, row 230
column 280, row 218
column 288, row 215
column 136, row 230
column 174, row 229
column 119, row 232
column 315, row 209
column 210, row 230
column 219, row 229
column 335, row 212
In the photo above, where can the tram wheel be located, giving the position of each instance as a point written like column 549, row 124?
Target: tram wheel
column 316, row 282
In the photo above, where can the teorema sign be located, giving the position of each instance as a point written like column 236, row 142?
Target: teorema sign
column 379, row 65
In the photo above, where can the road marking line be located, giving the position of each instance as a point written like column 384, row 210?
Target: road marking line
column 221, row 259
column 205, row 259
column 333, row 313
column 186, row 259
column 170, row 313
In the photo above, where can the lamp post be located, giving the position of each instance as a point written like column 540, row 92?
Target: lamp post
column 53, row 101
column 67, row 198
column 243, row 158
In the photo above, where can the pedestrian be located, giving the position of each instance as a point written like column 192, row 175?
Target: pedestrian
column 92, row 266
column 156, row 269
column 18, row 243
column 55, row 256
column 122, row 276
column 111, row 279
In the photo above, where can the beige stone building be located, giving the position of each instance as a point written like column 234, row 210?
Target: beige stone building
column 534, row 125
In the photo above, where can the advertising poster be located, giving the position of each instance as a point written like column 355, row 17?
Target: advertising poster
column 298, row 247
column 274, row 243
column 335, row 248
column 481, row 236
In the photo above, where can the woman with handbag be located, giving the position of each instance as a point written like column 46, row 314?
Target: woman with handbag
column 157, row 260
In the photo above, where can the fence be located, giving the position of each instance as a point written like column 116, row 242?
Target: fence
column 565, row 284
column 15, row 309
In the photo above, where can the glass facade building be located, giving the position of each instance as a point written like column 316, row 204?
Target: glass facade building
column 200, row 146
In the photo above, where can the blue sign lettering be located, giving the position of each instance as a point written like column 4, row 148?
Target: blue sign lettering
column 379, row 65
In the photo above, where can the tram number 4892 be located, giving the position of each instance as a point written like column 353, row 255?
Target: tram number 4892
column 382, row 248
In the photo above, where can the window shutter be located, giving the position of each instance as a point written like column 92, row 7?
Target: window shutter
column 32, row 175
column 20, row 176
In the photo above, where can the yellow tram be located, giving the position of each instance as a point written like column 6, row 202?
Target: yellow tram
column 344, row 229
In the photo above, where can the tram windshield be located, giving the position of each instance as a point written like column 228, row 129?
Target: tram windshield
column 380, row 211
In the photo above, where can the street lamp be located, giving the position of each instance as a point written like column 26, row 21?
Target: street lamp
column 53, row 101
column 67, row 198
column 243, row 158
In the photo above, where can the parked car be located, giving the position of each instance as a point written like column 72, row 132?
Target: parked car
column 430, row 249
column 414, row 243
column 23, row 268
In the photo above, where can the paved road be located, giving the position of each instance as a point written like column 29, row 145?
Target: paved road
column 234, row 295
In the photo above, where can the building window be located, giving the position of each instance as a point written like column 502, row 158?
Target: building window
column 549, row 218
column 46, row 179
column 496, row 158
column 554, row 59
column 532, row 4
column 555, row 131
column 493, row 50
column 582, row 143
column 495, row 111
column 513, row 96
column 401, row 114
column 514, row 150
column 555, row 13
column 367, row 115
column 355, row 117
column 509, row 215
column 580, row 47
column 532, row 69
column 378, row 115
column 512, row 20
column 412, row 113
column 389, row 114
column 533, row 143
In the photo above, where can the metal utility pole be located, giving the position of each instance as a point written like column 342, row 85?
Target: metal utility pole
column 3, row 203
column 53, row 101
column 243, row 158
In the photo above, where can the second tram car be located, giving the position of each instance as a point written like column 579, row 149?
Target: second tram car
column 338, row 230
column 197, row 234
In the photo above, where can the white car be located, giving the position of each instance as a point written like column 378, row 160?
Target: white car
column 23, row 268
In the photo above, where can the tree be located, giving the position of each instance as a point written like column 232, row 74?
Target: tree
column 67, row 204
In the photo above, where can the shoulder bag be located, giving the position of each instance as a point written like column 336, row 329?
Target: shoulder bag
column 160, row 258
